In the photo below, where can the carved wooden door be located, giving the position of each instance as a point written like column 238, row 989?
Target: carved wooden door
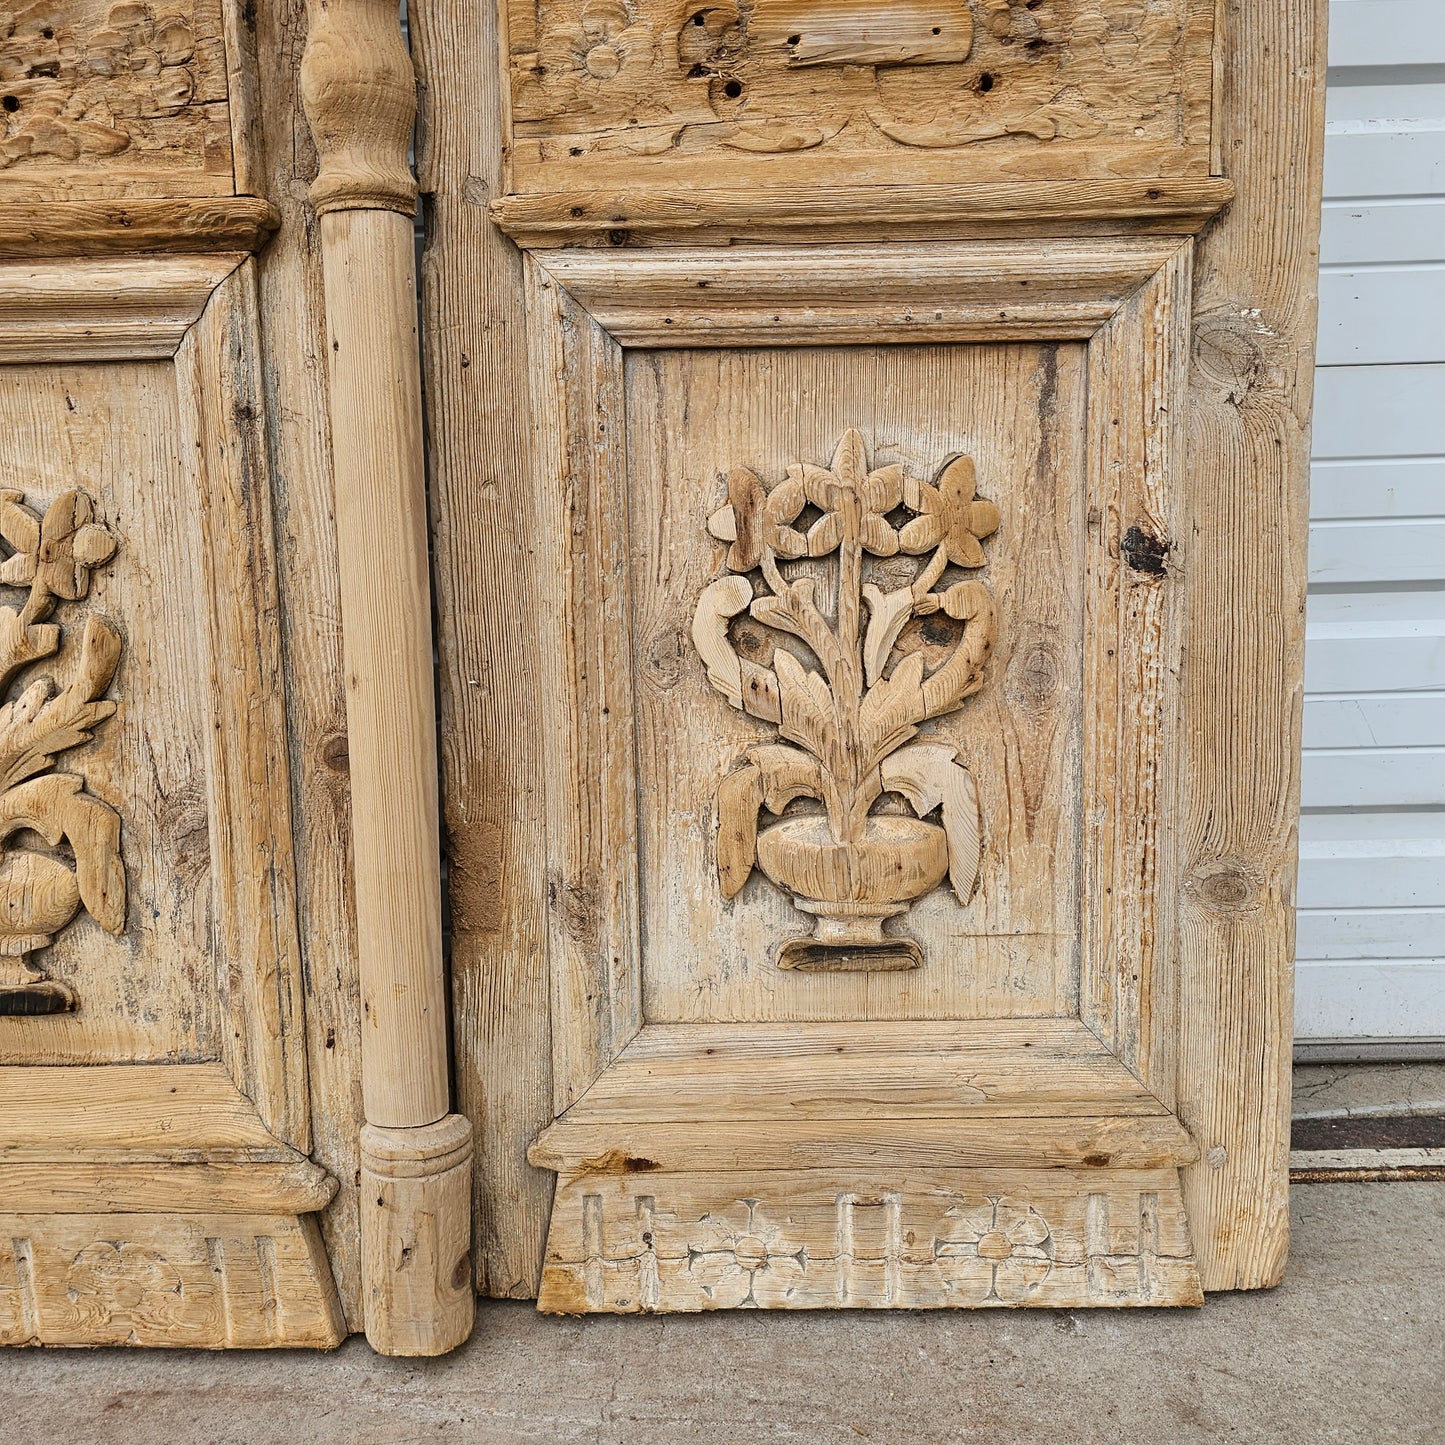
column 868, row 468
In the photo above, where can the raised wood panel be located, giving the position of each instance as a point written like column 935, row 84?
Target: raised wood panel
column 1064, row 89
column 115, row 97
column 1018, row 411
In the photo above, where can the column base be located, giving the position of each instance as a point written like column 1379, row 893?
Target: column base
column 416, row 1211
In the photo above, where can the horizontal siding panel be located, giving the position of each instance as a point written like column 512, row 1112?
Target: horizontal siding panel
column 1330, row 607
column 1364, row 873
column 1389, row 550
column 1375, row 657
column 1362, row 232
column 1375, row 721
column 1371, row 829
column 1370, row 933
column 1374, row 777
column 1388, row 999
column 1374, row 163
column 1380, row 411
column 1377, row 33
column 1400, row 487
column 1381, row 316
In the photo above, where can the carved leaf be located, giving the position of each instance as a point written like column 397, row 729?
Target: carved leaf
column 807, row 716
column 891, row 710
column 720, row 601
column 739, row 796
column 788, row 773
column 36, row 727
column 928, row 776
column 962, row 675
column 57, row 809
column 888, row 612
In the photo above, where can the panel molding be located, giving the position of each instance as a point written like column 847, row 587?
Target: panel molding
column 1129, row 298
column 174, row 1203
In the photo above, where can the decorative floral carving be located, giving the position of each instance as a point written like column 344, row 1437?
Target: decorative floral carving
column 851, row 698
column 68, row 97
column 41, row 892
column 604, row 52
column 1001, row 1251
column 727, row 1255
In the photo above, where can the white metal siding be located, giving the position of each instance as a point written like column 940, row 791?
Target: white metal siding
column 1371, row 948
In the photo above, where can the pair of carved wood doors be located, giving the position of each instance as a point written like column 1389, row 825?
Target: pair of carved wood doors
column 866, row 451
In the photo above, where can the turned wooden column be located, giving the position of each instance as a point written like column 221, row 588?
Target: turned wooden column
column 359, row 90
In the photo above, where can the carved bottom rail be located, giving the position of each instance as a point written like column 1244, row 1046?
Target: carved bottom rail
column 213, row 1281
column 809, row 1239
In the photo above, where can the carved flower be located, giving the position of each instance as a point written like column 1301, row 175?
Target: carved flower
column 755, row 518
column 601, row 45
column 878, row 493
column 54, row 555
column 951, row 516
column 1001, row 1252
column 730, row 1254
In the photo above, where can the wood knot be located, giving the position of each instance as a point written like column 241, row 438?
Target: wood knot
column 1034, row 677
column 1228, row 355
column 462, row 1272
column 334, row 753
column 1144, row 552
column 1226, row 885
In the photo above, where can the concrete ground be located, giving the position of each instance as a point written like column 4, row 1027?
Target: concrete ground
column 1350, row 1348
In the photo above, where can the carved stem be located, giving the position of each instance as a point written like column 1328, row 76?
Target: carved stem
column 359, row 93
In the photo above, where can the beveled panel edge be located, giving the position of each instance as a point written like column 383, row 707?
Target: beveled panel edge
column 120, row 308
column 1059, row 288
column 1178, row 206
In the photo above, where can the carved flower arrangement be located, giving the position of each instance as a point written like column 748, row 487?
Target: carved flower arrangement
column 67, row 98
column 1000, row 1252
column 848, row 702
column 70, row 857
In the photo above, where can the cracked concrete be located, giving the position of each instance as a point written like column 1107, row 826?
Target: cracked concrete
column 1348, row 1349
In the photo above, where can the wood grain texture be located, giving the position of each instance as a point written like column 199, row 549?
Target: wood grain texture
column 294, row 344
column 1143, row 1141
column 240, row 1281
column 116, row 309
column 886, row 1239
column 736, row 94
column 258, row 951
column 98, row 228
column 847, row 211
column 106, row 98
column 694, row 415
column 484, row 535
column 1244, row 579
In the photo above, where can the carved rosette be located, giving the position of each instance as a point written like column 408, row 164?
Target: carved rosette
column 833, row 664
column 59, row 845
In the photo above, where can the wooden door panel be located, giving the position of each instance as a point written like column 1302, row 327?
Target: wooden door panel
column 693, row 417
column 794, row 1007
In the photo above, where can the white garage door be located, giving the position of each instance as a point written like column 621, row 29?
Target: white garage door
column 1371, row 952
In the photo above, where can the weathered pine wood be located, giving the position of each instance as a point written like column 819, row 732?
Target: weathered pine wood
column 108, row 99
column 294, row 343
column 115, row 309
column 98, row 228
column 1244, row 581
column 358, row 88
column 820, row 1239
column 484, row 535
column 1002, row 350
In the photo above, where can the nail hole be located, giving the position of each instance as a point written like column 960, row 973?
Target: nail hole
column 938, row 30
column 733, row 89
column 699, row 18
column 47, row 33
column 11, row 103
column 985, row 82
column 577, row 210
column 795, row 40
